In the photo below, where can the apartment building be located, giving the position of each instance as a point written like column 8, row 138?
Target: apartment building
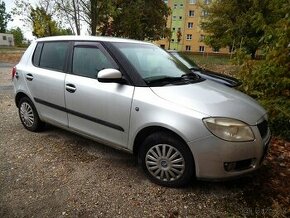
column 184, row 22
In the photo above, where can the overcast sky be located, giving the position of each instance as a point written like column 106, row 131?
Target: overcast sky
column 26, row 30
column 16, row 19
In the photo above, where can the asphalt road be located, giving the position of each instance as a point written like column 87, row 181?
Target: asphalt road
column 59, row 174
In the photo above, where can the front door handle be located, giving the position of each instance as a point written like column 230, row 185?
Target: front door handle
column 29, row 77
column 70, row 88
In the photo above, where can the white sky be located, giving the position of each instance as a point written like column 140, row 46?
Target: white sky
column 18, row 23
column 16, row 19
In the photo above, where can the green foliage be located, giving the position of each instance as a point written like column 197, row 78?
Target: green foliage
column 269, row 80
column 237, row 24
column 43, row 24
column 4, row 17
column 18, row 36
column 139, row 19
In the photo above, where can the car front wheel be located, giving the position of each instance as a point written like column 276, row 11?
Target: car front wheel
column 167, row 160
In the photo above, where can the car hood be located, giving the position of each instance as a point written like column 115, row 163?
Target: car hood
column 213, row 99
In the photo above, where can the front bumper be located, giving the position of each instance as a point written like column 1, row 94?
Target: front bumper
column 218, row 159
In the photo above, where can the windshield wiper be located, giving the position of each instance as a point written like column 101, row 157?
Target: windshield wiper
column 162, row 80
column 185, row 78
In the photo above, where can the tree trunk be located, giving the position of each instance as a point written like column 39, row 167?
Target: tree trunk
column 94, row 17
column 76, row 17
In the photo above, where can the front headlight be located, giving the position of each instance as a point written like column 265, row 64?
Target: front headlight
column 229, row 129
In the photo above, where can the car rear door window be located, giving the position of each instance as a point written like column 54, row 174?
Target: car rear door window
column 53, row 55
column 88, row 61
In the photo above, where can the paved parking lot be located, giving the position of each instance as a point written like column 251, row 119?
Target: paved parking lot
column 59, row 174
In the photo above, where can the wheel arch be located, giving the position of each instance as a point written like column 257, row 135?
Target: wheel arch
column 19, row 96
column 146, row 131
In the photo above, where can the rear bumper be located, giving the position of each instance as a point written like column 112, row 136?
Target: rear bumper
column 216, row 159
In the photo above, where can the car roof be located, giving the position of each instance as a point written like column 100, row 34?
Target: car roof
column 89, row 38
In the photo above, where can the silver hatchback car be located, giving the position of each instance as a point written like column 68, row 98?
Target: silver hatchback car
column 136, row 97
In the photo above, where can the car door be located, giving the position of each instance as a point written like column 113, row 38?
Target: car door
column 100, row 110
column 45, row 81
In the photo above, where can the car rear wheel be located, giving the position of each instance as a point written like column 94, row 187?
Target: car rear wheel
column 167, row 160
column 29, row 116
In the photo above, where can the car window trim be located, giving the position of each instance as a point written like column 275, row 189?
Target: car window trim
column 130, row 71
column 93, row 44
column 38, row 61
column 66, row 56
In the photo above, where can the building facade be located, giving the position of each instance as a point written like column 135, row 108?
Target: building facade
column 6, row 39
column 184, row 23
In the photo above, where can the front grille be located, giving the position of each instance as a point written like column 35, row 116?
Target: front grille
column 263, row 128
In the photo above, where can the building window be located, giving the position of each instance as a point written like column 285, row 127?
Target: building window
column 189, row 36
column 204, row 13
column 181, row 5
column 175, row 6
column 4, row 38
column 179, row 29
column 201, row 48
column 190, row 25
column 162, row 46
column 173, row 28
column 192, row 2
column 180, row 18
column 191, row 13
column 172, row 40
column 207, row 2
column 188, row 48
column 174, row 17
column 202, row 37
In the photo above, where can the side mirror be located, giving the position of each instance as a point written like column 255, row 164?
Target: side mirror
column 110, row 76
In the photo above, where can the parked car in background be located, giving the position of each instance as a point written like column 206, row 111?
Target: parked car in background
column 135, row 96
column 206, row 74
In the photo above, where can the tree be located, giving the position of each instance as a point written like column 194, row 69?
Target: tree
column 237, row 23
column 268, row 80
column 18, row 36
column 43, row 24
column 96, row 13
column 138, row 19
column 70, row 11
column 42, row 18
column 93, row 12
column 4, row 17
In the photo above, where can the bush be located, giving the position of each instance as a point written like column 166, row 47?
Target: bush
column 269, row 83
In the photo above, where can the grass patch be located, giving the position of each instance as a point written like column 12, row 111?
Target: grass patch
column 7, row 49
column 217, row 63
column 203, row 59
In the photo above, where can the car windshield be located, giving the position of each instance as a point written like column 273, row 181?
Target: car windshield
column 154, row 64
column 185, row 60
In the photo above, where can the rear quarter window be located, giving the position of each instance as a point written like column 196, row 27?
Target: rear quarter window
column 37, row 53
column 53, row 55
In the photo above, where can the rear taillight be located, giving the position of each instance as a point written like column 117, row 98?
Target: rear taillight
column 13, row 72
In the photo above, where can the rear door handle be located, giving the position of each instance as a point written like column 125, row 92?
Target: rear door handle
column 29, row 77
column 70, row 88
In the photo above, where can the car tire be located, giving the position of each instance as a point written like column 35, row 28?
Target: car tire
column 167, row 160
column 29, row 116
